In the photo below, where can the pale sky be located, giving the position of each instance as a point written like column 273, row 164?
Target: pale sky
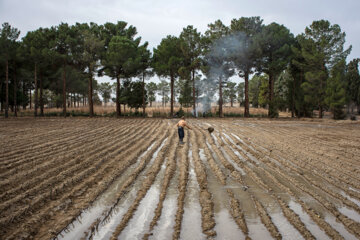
column 155, row 19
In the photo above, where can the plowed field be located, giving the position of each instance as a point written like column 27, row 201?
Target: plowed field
column 131, row 179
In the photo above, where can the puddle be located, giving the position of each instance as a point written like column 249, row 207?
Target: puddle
column 257, row 230
column 245, row 152
column 353, row 189
column 78, row 228
column 251, row 147
column 164, row 229
column 357, row 202
column 191, row 224
column 225, row 227
column 107, row 227
column 339, row 227
column 138, row 225
column 309, row 223
column 285, row 228
column 350, row 213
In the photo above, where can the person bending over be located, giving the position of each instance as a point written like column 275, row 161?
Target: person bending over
column 181, row 124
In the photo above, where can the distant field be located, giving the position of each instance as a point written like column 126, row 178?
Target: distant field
column 153, row 111
column 107, row 178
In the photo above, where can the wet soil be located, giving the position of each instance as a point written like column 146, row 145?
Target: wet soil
column 100, row 178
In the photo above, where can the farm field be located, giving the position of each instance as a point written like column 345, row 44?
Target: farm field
column 107, row 178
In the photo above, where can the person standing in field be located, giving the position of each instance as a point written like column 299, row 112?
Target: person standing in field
column 181, row 124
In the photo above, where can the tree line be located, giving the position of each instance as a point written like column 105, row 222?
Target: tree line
column 281, row 71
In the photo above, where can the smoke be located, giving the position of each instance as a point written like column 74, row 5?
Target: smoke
column 223, row 57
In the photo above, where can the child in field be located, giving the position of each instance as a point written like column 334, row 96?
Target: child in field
column 181, row 124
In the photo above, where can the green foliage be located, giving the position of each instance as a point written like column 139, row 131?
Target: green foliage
column 352, row 79
column 163, row 90
column 275, row 41
column 105, row 90
column 185, row 98
column 151, row 89
column 322, row 46
column 335, row 90
column 263, row 97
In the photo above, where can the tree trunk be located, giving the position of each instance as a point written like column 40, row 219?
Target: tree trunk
column 231, row 102
column 271, row 95
column 143, row 94
column 30, row 97
column 41, row 97
column 320, row 111
column 220, row 98
column 150, row 103
column 194, row 97
column 91, row 106
column 246, row 108
column 15, row 90
column 172, row 94
column 64, row 90
column 35, row 93
column 24, row 93
column 293, row 101
column 118, row 108
column 7, row 90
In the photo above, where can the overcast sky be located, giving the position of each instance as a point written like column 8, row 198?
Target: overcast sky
column 155, row 19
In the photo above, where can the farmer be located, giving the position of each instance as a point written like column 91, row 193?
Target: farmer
column 181, row 124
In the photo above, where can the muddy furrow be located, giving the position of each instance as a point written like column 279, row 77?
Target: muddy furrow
column 183, row 166
column 59, row 128
column 146, row 159
column 31, row 132
column 169, row 173
column 293, row 216
column 314, row 182
column 111, row 171
column 235, row 209
column 66, row 161
column 29, row 145
column 151, row 175
column 93, row 175
column 46, row 163
column 306, row 178
column 288, row 213
column 303, row 165
column 57, row 175
column 332, row 145
column 306, row 160
column 205, row 197
column 350, row 224
column 59, row 146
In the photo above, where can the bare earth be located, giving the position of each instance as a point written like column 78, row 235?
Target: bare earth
column 130, row 179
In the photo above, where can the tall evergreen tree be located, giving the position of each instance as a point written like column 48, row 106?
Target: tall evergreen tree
column 8, row 36
column 219, row 66
column 245, row 52
column 121, row 61
column 192, row 49
column 322, row 46
column 90, row 57
column 335, row 96
column 353, row 84
column 167, row 61
column 274, row 41
column 151, row 89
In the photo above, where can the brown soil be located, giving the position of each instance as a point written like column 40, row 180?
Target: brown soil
column 54, row 169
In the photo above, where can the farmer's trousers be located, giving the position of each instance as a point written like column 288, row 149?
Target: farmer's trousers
column 181, row 133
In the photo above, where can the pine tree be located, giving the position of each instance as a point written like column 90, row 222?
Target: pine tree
column 335, row 90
